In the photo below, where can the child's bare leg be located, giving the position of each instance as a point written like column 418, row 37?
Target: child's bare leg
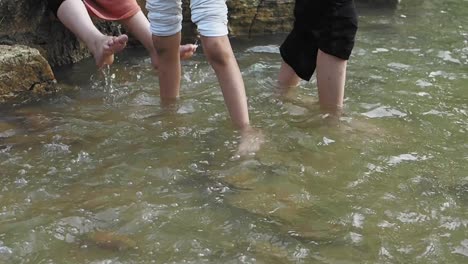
column 221, row 57
column 331, row 75
column 167, row 49
column 287, row 78
column 73, row 14
column 139, row 26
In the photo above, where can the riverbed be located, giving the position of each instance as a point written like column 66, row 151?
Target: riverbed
column 103, row 173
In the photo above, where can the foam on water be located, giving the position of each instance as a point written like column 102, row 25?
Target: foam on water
column 384, row 111
column 264, row 49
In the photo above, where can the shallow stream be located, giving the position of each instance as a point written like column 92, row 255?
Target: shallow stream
column 102, row 173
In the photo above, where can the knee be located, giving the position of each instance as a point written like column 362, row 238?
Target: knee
column 163, row 51
column 217, row 53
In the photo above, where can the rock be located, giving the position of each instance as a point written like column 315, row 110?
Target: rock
column 110, row 241
column 294, row 218
column 260, row 17
column 284, row 204
column 23, row 71
column 268, row 252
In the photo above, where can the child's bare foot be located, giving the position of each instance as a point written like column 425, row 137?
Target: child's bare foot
column 250, row 142
column 187, row 51
column 106, row 47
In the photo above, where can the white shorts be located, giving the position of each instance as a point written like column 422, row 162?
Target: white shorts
column 210, row 16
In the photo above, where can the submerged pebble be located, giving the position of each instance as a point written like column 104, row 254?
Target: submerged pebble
column 110, row 240
column 267, row 252
column 289, row 207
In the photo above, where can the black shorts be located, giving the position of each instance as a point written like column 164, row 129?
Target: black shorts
column 54, row 5
column 328, row 25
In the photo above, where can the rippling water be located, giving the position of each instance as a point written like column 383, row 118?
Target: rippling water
column 104, row 174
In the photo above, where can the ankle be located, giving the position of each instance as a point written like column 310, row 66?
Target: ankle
column 95, row 44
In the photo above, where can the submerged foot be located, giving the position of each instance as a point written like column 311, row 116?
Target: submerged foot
column 106, row 48
column 250, row 142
